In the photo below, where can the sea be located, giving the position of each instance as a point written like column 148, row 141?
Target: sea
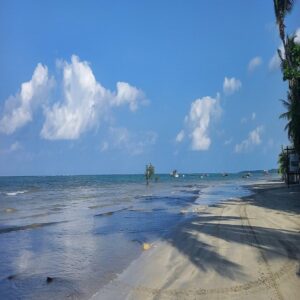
column 65, row 237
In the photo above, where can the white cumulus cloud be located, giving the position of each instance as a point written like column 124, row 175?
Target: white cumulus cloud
column 127, row 94
column 231, row 85
column 254, row 138
column 18, row 110
column 201, row 113
column 85, row 102
column 254, row 63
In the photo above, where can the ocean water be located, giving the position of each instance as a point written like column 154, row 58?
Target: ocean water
column 82, row 231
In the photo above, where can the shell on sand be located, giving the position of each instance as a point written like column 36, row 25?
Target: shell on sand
column 146, row 246
column 9, row 210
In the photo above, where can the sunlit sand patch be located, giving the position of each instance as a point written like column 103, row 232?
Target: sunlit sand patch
column 10, row 210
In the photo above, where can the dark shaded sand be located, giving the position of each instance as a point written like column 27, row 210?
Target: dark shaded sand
column 29, row 226
column 110, row 213
column 241, row 249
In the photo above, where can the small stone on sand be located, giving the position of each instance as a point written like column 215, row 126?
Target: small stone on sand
column 9, row 210
column 146, row 246
column 49, row 279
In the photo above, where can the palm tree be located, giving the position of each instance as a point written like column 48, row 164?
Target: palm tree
column 292, row 115
column 290, row 66
column 282, row 8
column 291, row 72
column 283, row 163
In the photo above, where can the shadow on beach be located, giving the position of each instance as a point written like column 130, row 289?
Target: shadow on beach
column 280, row 197
column 272, row 243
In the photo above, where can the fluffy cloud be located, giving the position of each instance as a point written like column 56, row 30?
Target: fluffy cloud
column 275, row 61
column 121, row 138
column 19, row 109
column 85, row 102
column 198, row 121
column 127, row 94
column 231, row 85
column 15, row 146
column 254, row 63
column 180, row 136
column 254, row 138
column 12, row 148
column 297, row 36
column 78, row 110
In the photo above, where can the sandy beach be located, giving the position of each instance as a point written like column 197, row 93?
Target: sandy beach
column 245, row 248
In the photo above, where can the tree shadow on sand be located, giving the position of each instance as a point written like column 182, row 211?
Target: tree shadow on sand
column 269, row 242
column 281, row 198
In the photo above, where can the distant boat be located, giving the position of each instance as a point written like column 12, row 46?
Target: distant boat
column 225, row 174
column 174, row 174
column 247, row 175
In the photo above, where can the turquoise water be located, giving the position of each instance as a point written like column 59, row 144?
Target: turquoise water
column 84, row 230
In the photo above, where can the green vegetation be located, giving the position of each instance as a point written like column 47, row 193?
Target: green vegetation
column 283, row 163
column 290, row 66
column 149, row 173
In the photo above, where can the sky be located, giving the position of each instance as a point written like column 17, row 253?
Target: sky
column 105, row 87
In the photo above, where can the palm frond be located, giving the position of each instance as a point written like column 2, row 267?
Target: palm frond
column 284, row 115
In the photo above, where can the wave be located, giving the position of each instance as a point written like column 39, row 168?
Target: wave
column 15, row 193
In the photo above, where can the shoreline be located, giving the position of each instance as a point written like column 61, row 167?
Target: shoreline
column 243, row 248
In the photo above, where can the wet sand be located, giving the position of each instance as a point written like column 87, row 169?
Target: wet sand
column 245, row 248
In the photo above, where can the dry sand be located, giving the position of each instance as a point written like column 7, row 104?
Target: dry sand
column 240, row 249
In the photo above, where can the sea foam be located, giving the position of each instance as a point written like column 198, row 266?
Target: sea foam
column 15, row 193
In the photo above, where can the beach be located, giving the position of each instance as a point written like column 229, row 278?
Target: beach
column 145, row 148
column 82, row 231
column 114, row 237
column 243, row 248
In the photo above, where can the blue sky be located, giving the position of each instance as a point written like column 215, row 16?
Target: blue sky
column 101, row 87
